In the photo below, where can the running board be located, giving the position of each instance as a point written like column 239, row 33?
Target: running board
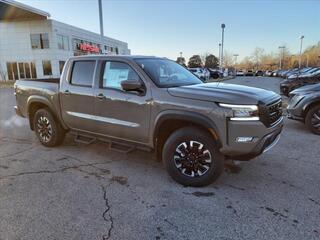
column 84, row 139
column 121, row 147
column 113, row 144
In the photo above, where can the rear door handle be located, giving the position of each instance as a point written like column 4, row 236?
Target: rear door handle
column 100, row 96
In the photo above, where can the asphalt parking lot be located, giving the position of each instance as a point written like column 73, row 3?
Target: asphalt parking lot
column 89, row 192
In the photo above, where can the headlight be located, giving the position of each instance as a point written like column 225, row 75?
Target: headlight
column 243, row 112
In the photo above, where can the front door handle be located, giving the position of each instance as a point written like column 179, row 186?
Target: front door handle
column 100, row 96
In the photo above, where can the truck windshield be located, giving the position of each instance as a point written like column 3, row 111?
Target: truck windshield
column 167, row 73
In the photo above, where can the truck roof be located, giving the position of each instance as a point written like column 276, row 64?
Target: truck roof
column 101, row 56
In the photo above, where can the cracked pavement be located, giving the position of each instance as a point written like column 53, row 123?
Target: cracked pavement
column 80, row 191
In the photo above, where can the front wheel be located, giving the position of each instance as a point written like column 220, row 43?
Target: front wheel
column 313, row 119
column 48, row 130
column 192, row 157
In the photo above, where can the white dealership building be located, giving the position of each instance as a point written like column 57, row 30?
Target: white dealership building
column 34, row 46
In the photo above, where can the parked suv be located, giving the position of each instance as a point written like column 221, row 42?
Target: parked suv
column 304, row 106
column 151, row 103
column 201, row 73
column 311, row 77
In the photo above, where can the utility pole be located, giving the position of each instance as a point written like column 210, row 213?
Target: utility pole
column 220, row 55
column 222, row 42
column 281, row 55
column 301, row 39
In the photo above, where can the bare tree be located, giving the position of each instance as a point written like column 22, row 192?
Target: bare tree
column 257, row 57
column 203, row 56
column 228, row 59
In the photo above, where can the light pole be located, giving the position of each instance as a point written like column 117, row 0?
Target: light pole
column 101, row 18
column 180, row 54
column 220, row 55
column 222, row 41
column 281, row 55
column 235, row 62
column 301, row 39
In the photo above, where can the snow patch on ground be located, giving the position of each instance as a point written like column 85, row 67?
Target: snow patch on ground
column 14, row 121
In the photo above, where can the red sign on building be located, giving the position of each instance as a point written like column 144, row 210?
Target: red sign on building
column 88, row 48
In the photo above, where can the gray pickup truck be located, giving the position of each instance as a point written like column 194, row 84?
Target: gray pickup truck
column 150, row 103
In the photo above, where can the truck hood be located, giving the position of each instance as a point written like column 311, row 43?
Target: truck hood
column 224, row 93
column 307, row 89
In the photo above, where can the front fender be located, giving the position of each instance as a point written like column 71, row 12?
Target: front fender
column 310, row 101
column 192, row 117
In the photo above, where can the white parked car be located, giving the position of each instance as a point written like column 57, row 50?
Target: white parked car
column 240, row 72
column 268, row 73
column 201, row 73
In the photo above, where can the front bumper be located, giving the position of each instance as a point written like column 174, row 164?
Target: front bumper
column 264, row 139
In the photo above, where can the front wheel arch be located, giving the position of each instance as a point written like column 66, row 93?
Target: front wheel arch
column 309, row 106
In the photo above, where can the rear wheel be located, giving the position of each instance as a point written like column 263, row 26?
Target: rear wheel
column 192, row 157
column 48, row 130
column 313, row 119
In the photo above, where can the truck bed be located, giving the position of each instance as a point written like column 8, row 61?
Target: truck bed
column 47, row 90
column 49, row 80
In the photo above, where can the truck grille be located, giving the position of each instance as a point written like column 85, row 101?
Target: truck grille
column 271, row 113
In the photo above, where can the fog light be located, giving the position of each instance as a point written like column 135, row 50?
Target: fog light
column 244, row 139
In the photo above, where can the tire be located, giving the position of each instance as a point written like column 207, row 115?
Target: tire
column 201, row 175
column 312, row 119
column 48, row 130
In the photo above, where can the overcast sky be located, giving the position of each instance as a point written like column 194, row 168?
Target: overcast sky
column 165, row 28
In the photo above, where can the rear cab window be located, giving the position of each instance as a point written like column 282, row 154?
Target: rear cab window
column 82, row 73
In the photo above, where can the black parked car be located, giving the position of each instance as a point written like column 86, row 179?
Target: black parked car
column 304, row 106
column 290, row 84
column 259, row 73
column 249, row 73
column 215, row 73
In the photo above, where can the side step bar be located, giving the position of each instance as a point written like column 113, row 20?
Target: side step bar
column 121, row 147
column 84, row 139
column 116, row 146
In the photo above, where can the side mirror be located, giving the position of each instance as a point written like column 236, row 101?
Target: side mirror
column 133, row 86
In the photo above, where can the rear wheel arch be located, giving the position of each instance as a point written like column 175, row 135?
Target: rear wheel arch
column 34, row 106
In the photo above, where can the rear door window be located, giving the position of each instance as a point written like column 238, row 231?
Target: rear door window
column 82, row 73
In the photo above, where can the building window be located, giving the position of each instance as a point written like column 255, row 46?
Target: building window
column 63, row 42
column 39, row 41
column 82, row 73
column 47, row 70
column 27, row 70
column 21, row 70
column 12, row 69
column 61, row 65
column 33, row 70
